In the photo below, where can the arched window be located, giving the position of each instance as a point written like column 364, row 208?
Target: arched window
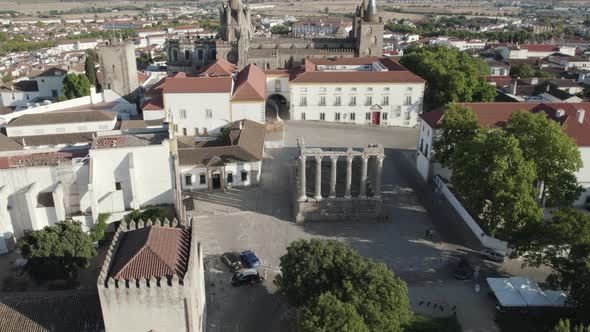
column 213, row 54
column 187, row 55
column 174, row 54
column 200, row 54
column 229, row 177
column 202, row 178
column 374, row 40
column 267, row 65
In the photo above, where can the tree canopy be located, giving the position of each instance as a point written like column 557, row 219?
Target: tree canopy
column 554, row 153
column 494, row 181
column 312, row 268
column 136, row 215
column 279, row 29
column 58, row 251
column 76, row 85
column 327, row 313
column 452, row 75
column 459, row 125
column 90, row 66
column 524, row 70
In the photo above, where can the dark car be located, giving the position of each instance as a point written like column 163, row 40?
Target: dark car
column 463, row 270
column 232, row 260
column 249, row 259
column 249, row 276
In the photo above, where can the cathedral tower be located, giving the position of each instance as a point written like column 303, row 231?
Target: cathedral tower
column 236, row 29
column 368, row 30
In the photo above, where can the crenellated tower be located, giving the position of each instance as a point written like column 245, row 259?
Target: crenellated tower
column 236, row 29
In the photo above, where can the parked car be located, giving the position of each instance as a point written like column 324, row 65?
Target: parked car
column 232, row 260
column 463, row 270
column 249, row 259
column 493, row 255
column 248, row 276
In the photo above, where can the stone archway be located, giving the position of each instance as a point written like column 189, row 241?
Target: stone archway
column 277, row 106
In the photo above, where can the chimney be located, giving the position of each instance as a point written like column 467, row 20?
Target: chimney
column 534, row 80
column 580, row 115
column 559, row 113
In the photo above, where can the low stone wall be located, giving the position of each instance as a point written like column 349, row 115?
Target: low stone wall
column 339, row 209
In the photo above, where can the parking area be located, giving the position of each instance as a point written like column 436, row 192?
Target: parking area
column 260, row 219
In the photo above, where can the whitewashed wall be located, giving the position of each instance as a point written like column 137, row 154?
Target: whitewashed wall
column 248, row 110
column 196, row 105
column 253, row 168
column 61, row 128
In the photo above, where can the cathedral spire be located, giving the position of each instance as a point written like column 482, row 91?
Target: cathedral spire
column 371, row 13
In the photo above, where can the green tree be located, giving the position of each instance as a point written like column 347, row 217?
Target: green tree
column 311, row 268
column 75, row 86
column 58, row 251
column 97, row 231
column 279, row 29
column 327, row 313
column 522, row 71
column 7, row 78
column 90, row 67
column 136, row 215
column 554, row 153
column 494, row 179
column 459, row 125
column 452, row 76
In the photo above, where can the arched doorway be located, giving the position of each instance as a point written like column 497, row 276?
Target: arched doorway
column 277, row 106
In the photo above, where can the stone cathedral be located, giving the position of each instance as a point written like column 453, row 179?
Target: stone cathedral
column 237, row 44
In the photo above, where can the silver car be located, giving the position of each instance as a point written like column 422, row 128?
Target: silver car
column 493, row 255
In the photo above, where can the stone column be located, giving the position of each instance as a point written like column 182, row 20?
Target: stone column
column 318, row 177
column 348, row 176
column 302, row 178
column 363, row 193
column 333, row 176
column 378, row 176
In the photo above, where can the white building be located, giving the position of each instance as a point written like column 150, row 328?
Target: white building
column 46, row 86
column 525, row 51
column 574, row 118
column 375, row 91
column 210, row 163
column 77, row 44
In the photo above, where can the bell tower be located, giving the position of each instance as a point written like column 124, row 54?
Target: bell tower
column 369, row 30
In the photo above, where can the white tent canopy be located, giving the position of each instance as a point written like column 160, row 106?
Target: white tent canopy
column 522, row 292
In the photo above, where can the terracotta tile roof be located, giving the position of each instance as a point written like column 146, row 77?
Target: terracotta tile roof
column 499, row 80
column 34, row 160
column 495, row 115
column 220, row 67
column 53, row 71
column 198, row 85
column 77, row 310
column 248, row 146
column 539, row 47
column 156, row 103
column 250, row 84
column 396, row 73
column 62, row 117
column 153, row 251
column 277, row 72
column 24, row 86
column 342, row 61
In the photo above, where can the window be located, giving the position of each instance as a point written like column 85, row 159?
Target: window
column 182, row 114
column 303, row 101
column 230, row 178
column 353, row 89
column 188, row 180
column 408, row 116
column 338, row 89
column 202, row 179
column 322, row 116
column 244, row 176
column 369, row 89
column 368, row 116
column 175, row 128
column 322, row 89
column 54, row 93
column 277, row 85
column 421, row 144
column 384, row 116
column 28, row 96
column 303, row 116
column 337, row 101
column 408, row 100
column 322, row 101
column 385, row 101
column 336, row 116
column 208, row 113
column 184, row 131
column 426, row 151
column 353, row 101
column 196, row 131
column 386, row 88
column 109, row 86
column 117, row 185
column 303, row 90
column 187, row 55
column 369, row 101
column 200, row 54
column 409, row 89
column 352, row 116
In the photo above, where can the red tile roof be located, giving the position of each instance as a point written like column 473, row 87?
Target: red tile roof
column 396, row 73
column 198, row 85
column 539, row 47
column 156, row 103
column 499, row 80
column 495, row 115
column 250, row 84
column 220, row 67
column 152, row 252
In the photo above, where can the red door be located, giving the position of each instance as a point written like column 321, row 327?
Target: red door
column 376, row 118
